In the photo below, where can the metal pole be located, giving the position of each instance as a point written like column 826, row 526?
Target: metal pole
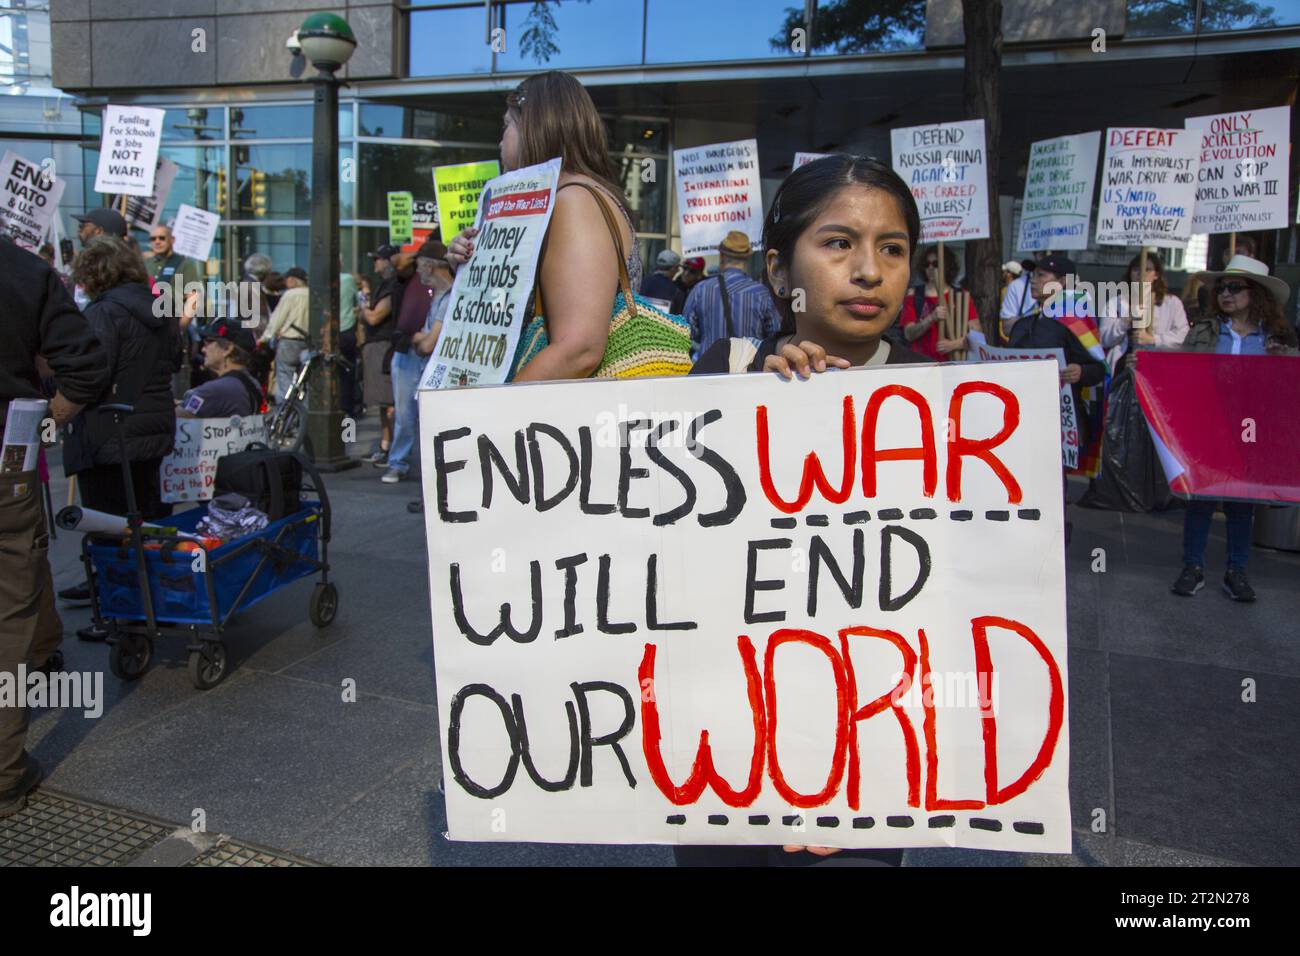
column 325, row 416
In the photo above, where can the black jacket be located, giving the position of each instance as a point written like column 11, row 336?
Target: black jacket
column 38, row 316
column 141, row 353
column 1037, row 331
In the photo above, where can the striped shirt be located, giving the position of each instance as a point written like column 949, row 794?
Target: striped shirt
column 753, row 312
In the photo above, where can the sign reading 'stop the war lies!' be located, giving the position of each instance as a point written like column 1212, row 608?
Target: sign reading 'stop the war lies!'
column 728, row 609
column 946, row 168
column 490, row 296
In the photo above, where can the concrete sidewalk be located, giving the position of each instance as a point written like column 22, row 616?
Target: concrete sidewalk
column 1161, row 741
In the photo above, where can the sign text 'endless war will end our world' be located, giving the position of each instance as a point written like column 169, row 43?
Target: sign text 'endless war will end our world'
column 726, row 609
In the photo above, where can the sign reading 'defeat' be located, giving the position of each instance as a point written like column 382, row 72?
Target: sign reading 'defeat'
column 490, row 295
column 128, row 152
column 1058, row 193
column 946, row 168
column 458, row 189
column 189, row 472
column 1244, row 176
column 728, row 609
column 718, row 190
column 1148, row 187
column 29, row 198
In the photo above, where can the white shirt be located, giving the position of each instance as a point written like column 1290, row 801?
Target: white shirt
column 1168, row 325
column 1016, row 300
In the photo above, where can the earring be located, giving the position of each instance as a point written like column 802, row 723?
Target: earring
column 781, row 291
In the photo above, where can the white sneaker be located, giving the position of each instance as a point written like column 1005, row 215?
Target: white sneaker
column 392, row 476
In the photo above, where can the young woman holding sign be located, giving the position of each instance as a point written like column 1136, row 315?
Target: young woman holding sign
column 551, row 115
column 840, row 234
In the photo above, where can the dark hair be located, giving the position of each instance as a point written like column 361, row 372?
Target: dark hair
column 556, row 117
column 1028, row 265
column 1264, row 310
column 106, row 262
column 950, row 266
column 804, row 194
column 1245, row 246
column 235, row 353
column 1159, row 288
column 273, row 282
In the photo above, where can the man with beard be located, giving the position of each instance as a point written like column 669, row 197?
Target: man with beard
column 380, row 318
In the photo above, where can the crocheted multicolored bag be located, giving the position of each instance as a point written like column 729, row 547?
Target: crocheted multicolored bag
column 643, row 340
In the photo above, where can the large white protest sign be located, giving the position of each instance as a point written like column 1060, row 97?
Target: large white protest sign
column 128, row 152
column 1244, row 175
column 194, row 232
column 633, row 581
column 945, row 166
column 718, row 190
column 29, row 198
column 490, row 295
column 1148, row 187
column 145, row 212
column 1057, row 205
column 189, row 472
column 983, row 352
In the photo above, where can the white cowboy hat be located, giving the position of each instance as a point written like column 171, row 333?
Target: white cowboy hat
column 1015, row 268
column 1254, row 270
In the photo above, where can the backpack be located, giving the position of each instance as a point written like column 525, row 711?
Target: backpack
column 270, row 480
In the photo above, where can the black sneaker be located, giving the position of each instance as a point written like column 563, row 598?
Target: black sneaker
column 13, row 800
column 1189, row 582
column 415, row 507
column 53, row 664
column 1237, row 587
column 77, row 594
column 92, row 633
column 378, row 456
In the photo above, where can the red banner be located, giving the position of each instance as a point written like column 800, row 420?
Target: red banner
column 1225, row 426
column 519, row 204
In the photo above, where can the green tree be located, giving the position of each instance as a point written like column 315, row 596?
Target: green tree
column 857, row 26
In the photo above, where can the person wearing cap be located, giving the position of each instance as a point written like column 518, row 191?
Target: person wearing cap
column 289, row 327
column 1017, row 300
column 101, row 222
column 1011, row 271
column 659, row 284
column 733, row 306
column 380, row 318
column 1248, row 321
column 434, row 272
column 688, row 278
column 227, row 350
column 407, row 365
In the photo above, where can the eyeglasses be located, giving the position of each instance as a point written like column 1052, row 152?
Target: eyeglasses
column 1231, row 288
column 157, row 238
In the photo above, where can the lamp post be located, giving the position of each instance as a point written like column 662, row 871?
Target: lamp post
column 327, row 42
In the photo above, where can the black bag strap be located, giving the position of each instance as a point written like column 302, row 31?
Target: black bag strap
column 275, row 481
column 253, row 389
column 726, row 306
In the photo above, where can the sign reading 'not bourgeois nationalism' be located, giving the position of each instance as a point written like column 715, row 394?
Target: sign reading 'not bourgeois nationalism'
column 718, row 190
column 770, row 619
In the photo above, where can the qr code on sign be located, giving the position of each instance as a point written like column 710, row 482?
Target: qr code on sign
column 439, row 373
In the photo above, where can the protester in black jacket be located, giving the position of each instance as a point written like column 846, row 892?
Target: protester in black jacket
column 141, row 354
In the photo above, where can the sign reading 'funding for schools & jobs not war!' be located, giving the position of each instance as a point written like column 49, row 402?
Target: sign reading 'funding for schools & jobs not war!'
column 769, row 619
column 945, row 166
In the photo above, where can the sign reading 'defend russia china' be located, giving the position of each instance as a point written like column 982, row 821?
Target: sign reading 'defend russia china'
column 1148, row 186
column 944, row 165
column 128, row 152
column 1058, row 193
column 718, row 190
column 1245, row 170
column 490, row 296
column 728, row 609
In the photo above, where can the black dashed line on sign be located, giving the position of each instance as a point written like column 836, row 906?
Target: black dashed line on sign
column 785, row 523
column 984, row 823
column 1029, row 514
column 818, row 521
column 961, row 515
column 857, row 517
column 792, row 821
column 828, row 821
column 890, row 514
column 998, row 515
column 921, row 513
column 1027, row 826
column 759, row 820
column 718, row 819
column 677, row 819
column 947, row 820
column 900, row 821
column 863, row 823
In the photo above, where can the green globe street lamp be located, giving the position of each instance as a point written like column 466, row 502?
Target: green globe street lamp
column 327, row 42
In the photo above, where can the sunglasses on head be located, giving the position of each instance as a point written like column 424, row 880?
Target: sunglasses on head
column 1232, row 288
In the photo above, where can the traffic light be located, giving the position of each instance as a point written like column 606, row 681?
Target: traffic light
column 257, row 192
column 221, row 191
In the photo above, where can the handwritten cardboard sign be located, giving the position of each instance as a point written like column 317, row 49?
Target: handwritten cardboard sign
column 803, row 159
column 188, row 473
column 491, row 293
column 458, row 189
column 29, row 198
column 946, row 166
column 400, row 217
column 1244, row 176
column 1057, row 204
column 1148, row 187
column 709, row 609
column 983, row 352
column 128, row 150
column 718, row 190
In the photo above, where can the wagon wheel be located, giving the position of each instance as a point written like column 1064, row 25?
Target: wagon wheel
column 129, row 658
column 324, row 604
column 208, row 665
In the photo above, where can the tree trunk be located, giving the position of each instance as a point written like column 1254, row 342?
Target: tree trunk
column 982, row 20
